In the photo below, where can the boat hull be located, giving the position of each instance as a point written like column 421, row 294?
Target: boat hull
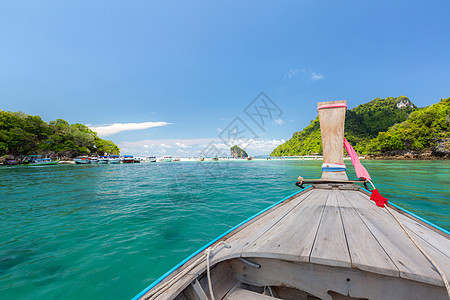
column 49, row 163
column 81, row 161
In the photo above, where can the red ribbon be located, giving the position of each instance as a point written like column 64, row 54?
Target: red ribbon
column 379, row 200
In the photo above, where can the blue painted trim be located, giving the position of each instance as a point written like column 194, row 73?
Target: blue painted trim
column 209, row 244
column 416, row 216
column 420, row 218
column 333, row 169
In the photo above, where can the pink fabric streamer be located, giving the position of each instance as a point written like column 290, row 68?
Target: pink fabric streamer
column 361, row 172
column 332, row 106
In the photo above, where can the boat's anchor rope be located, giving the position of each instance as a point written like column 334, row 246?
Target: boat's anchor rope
column 430, row 259
column 170, row 282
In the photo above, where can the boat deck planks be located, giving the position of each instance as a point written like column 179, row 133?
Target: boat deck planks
column 411, row 263
column 330, row 245
column 294, row 242
column 330, row 222
column 334, row 226
column 366, row 253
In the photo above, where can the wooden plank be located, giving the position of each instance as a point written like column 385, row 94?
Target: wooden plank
column 407, row 258
column 332, row 130
column 195, row 292
column 240, row 294
column 438, row 250
column 433, row 238
column 293, row 237
column 222, row 280
column 365, row 251
column 249, row 234
column 330, row 246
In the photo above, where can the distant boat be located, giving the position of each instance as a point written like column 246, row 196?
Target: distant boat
column 167, row 158
column 93, row 160
column 37, row 160
column 10, row 162
column 114, row 159
column 103, row 160
column 128, row 159
column 249, row 158
column 215, row 158
column 137, row 160
column 176, row 158
column 150, row 159
column 82, row 160
column 201, row 159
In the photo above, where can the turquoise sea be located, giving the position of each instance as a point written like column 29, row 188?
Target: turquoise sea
column 108, row 231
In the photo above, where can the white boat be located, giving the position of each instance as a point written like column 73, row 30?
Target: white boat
column 114, row 159
column 93, row 160
column 137, row 160
column 150, row 159
column 103, row 160
column 82, row 160
column 167, row 158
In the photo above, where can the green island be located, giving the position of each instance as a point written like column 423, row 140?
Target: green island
column 237, row 152
column 384, row 128
column 22, row 134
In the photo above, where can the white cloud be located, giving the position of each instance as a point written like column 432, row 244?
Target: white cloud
column 106, row 130
column 291, row 73
column 196, row 147
column 279, row 121
column 315, row 76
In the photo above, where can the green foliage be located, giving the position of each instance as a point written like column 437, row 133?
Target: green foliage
column 362, row 123
column 424, row 129
column 22, row 134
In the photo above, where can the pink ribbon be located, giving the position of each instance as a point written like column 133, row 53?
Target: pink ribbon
column 332, row 106
column 360, row 171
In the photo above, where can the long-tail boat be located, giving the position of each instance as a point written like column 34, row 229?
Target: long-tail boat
column 327, row 241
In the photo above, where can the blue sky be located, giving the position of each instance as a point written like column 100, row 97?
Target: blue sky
column 194, row 66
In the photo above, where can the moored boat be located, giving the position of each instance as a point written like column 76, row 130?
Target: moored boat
column 176, row 158
column 103, row 160
column 38, row 160
column 331, row 240
column 150, row 159
column 166, row 158
column 137, row 160
column 94, row 160
column 82, row 160
column 114, row 159
column 128, row 159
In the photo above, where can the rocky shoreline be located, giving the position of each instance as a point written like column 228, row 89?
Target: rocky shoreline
column 410, row 155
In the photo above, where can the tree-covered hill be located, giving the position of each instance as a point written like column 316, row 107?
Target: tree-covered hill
column 426, row 129
column 237, row 151
column 22, row 134
column 362, row 123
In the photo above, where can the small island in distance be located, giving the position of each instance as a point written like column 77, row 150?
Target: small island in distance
column 238, row 152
